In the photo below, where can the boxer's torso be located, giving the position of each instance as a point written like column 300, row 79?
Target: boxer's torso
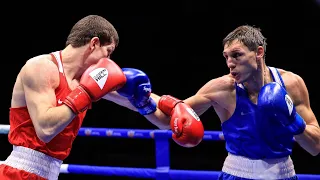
column 248, row 132
column 22, row 132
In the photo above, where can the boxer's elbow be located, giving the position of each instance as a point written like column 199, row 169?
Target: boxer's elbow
column 164, row 127
column 316, row 142
column 314, row 153
column 317, row 150
column 45, row 132
column 45, row 139
column 45, row 135
column 312, row 149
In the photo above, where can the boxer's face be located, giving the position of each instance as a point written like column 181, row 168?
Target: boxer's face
column 98, row 51
column 240, row 60
column 107, row 50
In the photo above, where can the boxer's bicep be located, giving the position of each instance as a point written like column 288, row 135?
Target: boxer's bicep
column 298, row 92
column 300, row 96
column 211, row 94
column 200, row 103
column 203, row 99
column 39, row 79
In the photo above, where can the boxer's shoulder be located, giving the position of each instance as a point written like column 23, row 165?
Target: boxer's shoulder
column 218, row 90
column 43, row 60
column 294, row 84
column 40, row 67
column 222, row 83
column 289, row 76
column 291, row 79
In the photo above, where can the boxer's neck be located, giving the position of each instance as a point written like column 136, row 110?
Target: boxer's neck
column 258, row 80
column 73, row 61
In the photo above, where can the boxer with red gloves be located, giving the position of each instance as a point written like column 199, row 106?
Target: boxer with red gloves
column 51, row 95
column 187, row 128
column 98, row 80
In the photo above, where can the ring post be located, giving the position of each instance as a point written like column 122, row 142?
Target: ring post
column 162, row 154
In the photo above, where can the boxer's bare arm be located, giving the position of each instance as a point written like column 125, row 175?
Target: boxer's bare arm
column 310, row 138
column 214, row 93
column 120, row 100
column 209, row 95
column 157, row 118
column 39, row 78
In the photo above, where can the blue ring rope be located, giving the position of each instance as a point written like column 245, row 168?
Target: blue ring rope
column 162, row 171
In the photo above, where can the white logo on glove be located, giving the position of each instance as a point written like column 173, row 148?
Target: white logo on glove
column 175, row 124
column 194, row 114
column 146, row 89
column 100, row 75
column 289, row 103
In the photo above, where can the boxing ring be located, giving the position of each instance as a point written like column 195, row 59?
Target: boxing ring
column 161, row 172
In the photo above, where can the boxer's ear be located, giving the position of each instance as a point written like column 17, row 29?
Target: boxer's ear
column 260, row 53
column 95, row 41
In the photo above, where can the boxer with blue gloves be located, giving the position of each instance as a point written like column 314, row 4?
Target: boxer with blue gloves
column 274, row 100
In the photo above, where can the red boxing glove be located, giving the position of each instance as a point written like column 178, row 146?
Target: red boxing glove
column 187, row 128
column 98, row 80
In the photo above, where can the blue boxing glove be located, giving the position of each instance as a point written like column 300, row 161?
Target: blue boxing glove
column 274, row 100
column 138, row 90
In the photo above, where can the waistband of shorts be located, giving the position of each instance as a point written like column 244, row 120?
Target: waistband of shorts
column 35, row 162
column 244, row 167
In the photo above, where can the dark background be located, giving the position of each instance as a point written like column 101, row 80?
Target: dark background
column 178, row 44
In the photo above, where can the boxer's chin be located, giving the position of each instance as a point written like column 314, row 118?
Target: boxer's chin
column 237, row 78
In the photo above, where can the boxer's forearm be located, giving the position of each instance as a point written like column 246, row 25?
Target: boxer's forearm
column 159, row 119
column 120, row 100
column 310, row 139
column 51, row 122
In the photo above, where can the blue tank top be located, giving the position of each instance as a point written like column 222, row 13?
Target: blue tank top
column 248, row 132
